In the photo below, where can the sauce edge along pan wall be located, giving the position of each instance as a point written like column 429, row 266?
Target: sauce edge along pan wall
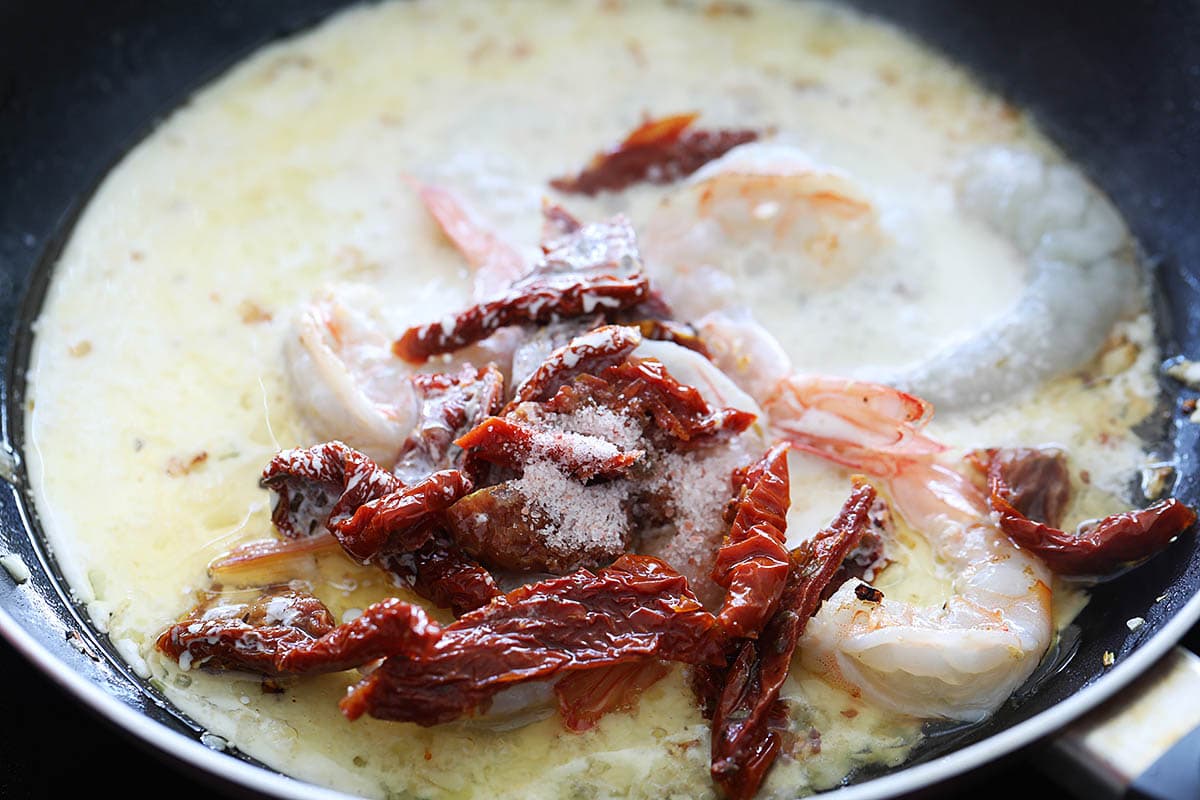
column 1115, row 84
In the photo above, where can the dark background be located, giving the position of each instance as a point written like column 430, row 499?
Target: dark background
column 1125, row 71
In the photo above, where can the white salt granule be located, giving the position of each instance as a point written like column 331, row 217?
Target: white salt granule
column 582, row 518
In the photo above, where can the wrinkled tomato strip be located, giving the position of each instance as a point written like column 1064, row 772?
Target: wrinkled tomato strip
column 1102, row 547
column 1095, row 548
column 284, row 632
column 1036, row 482
column 635, row 609
column 660, row 150
column 644, row 387
column 588, row 353
column 511, row 443
column 371, row 514
column 595, row 268
column 441, row 571
column 753, row 562
column 319, row 485
column 540, row 302
column 450, row 405
column 587, row 695
column 745, row 737
column 401, row 520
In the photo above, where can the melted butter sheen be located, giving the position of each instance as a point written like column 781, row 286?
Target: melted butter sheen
column 159, row 389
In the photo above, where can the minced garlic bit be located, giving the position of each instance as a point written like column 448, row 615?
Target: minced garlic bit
column 1186, row 371
column 1134, row 623
column 1108, row 659
column 1156, row 480
column 16, row 568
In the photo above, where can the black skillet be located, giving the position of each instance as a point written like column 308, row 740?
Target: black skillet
column 1115, row 84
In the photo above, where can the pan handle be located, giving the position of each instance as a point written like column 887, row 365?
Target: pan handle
column 1144, row 743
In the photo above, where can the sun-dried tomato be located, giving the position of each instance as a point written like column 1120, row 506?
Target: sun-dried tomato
column 1038, row 480
column 660, row 150
column 753, row 562
column 1097, row 547
column 400, row 521
column 642, row 387
column 506, row 528
column 745, row 737
column 441, row 571
column 511, row 443
column 587, row 695
column 635, row 609
column 321, row 484
column 450, row 405
column 595, row 269
column 286, row 632
column 869, row 556
column 587, row 353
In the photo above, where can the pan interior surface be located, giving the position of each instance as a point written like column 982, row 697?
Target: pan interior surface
column 1100, row 628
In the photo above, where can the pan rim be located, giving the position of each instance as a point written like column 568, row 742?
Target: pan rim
column 263, row 780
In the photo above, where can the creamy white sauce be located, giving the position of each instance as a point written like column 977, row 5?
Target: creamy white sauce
column 159, row 392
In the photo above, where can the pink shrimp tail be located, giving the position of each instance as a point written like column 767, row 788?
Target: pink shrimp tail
column 864, row 426
column 497, row 264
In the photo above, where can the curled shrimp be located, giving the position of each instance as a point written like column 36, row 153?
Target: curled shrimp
column 1082, row 279
column 958, row 660
column 347, row 382
column 759, row 214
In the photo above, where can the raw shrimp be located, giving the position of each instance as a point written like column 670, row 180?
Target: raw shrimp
column 1083, row 278
column 744, row 350
column 959, row 660
column 760, row 213
column 348, row 384
column 496, row 263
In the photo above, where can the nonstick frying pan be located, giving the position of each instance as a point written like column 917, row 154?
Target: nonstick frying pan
column 1115, row 84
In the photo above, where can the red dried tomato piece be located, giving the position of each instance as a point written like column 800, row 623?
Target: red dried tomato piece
column 441, row 571
column 587, row 353
column 660, row 150
column 635, row 609
column 512, row 444
column 450, row 405
column 401, row 520
column 753, row 562
column 320, row 484
column 640, row 387
column 1095, row 548
column 1038, row 480
column 587, row 695
column 746, row 735
column 595, row 269
column 285, row 632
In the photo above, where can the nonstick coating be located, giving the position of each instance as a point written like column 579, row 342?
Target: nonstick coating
column 1115, row 84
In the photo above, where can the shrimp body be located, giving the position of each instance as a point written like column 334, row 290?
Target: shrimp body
column 958, row 660
column 1082, row 279
column 760, row 213
column 347, row 382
